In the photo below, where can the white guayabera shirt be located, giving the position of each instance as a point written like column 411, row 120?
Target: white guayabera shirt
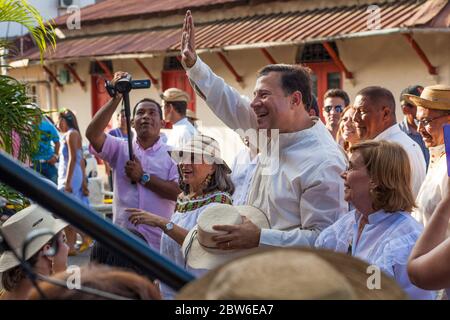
column 306, row 193
column 434, row 188
column 415, row 154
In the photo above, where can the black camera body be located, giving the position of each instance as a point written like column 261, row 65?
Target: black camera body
column 125, row 85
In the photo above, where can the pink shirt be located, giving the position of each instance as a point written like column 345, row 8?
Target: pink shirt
column 155, row 161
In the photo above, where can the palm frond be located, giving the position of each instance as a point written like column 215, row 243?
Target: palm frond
column 20, row 11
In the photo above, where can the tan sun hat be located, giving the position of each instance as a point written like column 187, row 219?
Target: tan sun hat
column 200, row 250
column 291, row 274
column 174, row 94
column 200, row 145
column 191, row 114
column 433, row 97
column 16, row 229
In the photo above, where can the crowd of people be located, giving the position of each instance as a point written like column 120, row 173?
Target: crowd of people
column 358, row 183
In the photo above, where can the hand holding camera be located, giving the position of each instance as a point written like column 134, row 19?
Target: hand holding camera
column 123, row 84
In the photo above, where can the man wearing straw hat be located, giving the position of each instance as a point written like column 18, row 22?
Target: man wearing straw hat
column 433, row 112
column 305, row 194
column 174, row 103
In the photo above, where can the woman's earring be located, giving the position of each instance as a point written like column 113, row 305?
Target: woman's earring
column 207, row 180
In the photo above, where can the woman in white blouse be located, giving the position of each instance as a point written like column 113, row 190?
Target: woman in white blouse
column 380, row 230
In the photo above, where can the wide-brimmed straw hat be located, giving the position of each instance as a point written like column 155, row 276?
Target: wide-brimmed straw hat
column 292, row 274
column 433, row 97
column 200, row 250
column 175, row 94
column 16, row 229
column 205, row 147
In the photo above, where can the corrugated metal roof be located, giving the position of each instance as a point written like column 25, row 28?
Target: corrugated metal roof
column 260, row 30
column 128, row 9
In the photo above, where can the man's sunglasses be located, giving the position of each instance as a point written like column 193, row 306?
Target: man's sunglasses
column 337, row 108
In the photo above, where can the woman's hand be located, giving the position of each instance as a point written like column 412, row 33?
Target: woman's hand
column 68, row 188
column 138, row 216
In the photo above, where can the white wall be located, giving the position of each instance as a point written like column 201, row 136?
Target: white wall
column 390, row 61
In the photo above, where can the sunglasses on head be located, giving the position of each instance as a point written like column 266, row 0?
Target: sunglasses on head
column 337, row 108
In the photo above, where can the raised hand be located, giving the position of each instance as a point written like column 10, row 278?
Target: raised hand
column 188, row 55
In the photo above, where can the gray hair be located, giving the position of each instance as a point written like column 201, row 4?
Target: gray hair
column 220, row 181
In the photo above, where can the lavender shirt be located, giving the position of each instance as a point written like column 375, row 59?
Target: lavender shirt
column 155, row 161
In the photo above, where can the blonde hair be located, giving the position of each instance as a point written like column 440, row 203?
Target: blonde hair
column 388, row 166
column 345, row 144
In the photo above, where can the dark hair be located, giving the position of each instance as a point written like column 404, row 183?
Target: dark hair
column 70, row 118
column 293, row 78
column 151, row 101
column 103, row 278
column 12, row 277
column 220, row 181
column 337, row 93
column 414, row 90
column 179, row 106
column 379, row 96
column 101, row 254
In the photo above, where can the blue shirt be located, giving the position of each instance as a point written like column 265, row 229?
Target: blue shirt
column 118, row 133
column 416, row 137
column 49, row 134
column 386, row 241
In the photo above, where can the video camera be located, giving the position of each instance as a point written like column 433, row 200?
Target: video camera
column 125, row 85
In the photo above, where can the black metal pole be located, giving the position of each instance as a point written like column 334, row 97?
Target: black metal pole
column 126, row 102
column 74, row 212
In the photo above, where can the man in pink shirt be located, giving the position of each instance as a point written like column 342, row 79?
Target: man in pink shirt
column 153, row 172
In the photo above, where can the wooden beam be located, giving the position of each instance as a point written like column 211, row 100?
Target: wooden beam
column 105, row 69
column 52, row 76
column 268, row 56
column 431, row 69
column 230, row 67
column 337, row 60
column 74, row 73
column 147, row 72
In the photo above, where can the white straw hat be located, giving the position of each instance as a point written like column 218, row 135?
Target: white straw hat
column 200, row 251
column 202, row 145
column 16, row 229
column 292, row 274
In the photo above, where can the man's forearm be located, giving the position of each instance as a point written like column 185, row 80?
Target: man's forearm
column 101, row 119
column 163, row 188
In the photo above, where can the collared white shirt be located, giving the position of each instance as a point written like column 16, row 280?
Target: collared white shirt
column 416, row 158
column 181, row 133
column 434, row 187
column 242, row 172
column 305, row 193
column 385, row 241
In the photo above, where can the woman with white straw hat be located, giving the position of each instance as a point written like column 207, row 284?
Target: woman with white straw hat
column 205, row 182
column 46, row 254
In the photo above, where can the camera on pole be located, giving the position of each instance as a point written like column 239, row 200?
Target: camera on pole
column 124, row 86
